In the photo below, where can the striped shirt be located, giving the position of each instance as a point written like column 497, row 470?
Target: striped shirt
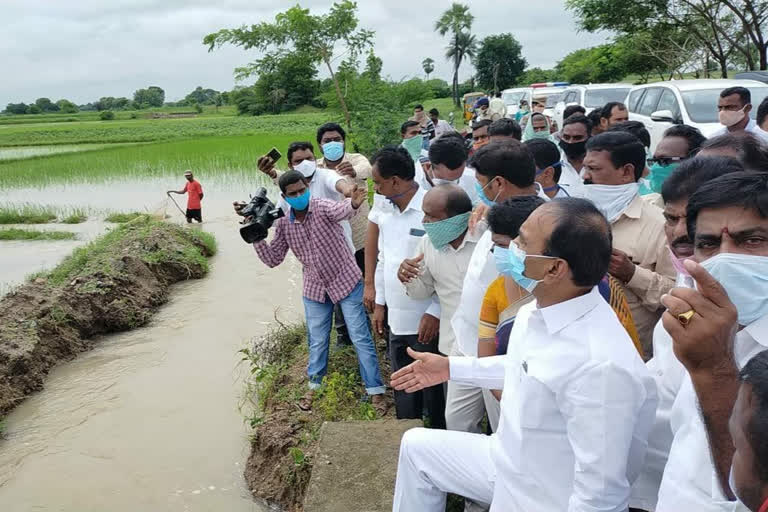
column 318, row 242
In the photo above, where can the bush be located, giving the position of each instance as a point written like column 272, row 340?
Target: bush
column 107, row 115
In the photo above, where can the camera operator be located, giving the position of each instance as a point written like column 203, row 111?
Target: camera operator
column 313, row 232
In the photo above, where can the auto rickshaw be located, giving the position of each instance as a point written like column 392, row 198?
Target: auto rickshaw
column 469, row 100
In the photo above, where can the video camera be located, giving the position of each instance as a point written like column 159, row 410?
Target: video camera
column 260, row 213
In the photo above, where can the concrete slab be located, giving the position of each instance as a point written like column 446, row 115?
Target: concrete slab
column 355, row 466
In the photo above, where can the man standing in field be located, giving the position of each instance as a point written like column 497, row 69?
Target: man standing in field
column 194, row 192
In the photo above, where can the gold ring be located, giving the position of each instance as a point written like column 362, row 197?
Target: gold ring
column 685, row 318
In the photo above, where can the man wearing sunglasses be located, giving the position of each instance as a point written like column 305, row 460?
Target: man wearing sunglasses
column 679, row 143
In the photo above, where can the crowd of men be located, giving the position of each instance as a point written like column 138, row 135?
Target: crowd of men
column 581, row 324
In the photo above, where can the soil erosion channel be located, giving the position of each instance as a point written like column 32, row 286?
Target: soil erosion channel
column 149, row 419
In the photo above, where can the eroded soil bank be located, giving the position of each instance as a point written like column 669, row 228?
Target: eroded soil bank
column 113, row 284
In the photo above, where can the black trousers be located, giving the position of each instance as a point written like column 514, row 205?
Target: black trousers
column 342, row 336
column 412, row 405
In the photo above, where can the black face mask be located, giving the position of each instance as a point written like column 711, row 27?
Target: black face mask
column 574, row 149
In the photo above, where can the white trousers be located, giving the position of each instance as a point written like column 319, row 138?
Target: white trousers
column 465, row 407
column 435, row 462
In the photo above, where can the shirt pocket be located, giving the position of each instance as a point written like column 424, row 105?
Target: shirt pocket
column 537, row 405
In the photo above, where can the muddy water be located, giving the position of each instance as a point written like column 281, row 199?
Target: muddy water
column 149, row 420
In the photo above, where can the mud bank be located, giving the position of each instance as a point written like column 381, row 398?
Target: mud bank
column 113, row 284
column 284, row 438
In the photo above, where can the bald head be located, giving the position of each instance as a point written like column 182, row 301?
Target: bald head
column 445, row 201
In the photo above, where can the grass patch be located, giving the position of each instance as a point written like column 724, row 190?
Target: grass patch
column 28, row 234
column 76, row 216
column 120, row 218
column 26, row 214
column 102, row 256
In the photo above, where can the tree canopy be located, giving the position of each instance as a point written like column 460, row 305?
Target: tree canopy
column 499, row 62
column 152, row 96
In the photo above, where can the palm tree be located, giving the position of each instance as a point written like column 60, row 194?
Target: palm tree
column 458, row 21
column 429, row 66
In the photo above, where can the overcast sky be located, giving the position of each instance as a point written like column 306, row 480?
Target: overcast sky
column 84, row 49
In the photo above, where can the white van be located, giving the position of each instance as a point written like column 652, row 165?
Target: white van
column 590, row 97
column 693, row 102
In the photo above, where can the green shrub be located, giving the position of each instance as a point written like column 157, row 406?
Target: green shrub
column 107, row 115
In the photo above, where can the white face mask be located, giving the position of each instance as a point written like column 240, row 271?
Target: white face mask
column 307, row 168
column 731, row 117
column 612, row 200
column 440, row 181
column 745, row 279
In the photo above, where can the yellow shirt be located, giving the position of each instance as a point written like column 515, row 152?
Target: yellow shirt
column 639, row 232
column 359, row 222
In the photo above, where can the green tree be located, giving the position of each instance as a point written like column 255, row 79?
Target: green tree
column 46, row 105
column 34, row 109
column 297, row 31
column 604, row 63
column 499, row 62
column 373, row 66
column 200, row 96
column 107, row 115
column 16, row 108
column 429, row 66
column 536, row 75
column 67, row 106
column 152, row 96
column 458, row 21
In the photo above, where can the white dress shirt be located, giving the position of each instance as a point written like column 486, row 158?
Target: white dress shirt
column 480, row 274
column 577, row 408
column 396, row 243
column 750, row 128
column 690, row 481
column 570, row 179
column 669, row 373
column 443, row 274
column 323, row 186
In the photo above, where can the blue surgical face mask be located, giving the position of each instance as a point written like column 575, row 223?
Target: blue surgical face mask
column 299, row 203
column 511, row 262
column 445, row 231
column 481, row 193
column 745, row 279
column 333, row 151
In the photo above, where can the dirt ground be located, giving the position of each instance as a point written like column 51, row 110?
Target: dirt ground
column 42, row 324
column 284, row 443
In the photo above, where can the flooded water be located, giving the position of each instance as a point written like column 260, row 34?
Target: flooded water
column 30, row 151
column 149, row 419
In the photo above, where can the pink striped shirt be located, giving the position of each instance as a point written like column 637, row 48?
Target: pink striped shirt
column 319, row 244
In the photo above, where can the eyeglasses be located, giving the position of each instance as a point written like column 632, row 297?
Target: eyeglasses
column 666, row 160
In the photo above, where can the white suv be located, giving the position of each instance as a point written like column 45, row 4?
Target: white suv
column 590, row 97
column 693, row 102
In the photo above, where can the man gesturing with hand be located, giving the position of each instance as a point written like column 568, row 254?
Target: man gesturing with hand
column 716, row 329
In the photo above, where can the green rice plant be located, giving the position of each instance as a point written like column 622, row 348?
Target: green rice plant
column 120, row 218
column 29, row 234
column 75, row 216
column 26, row 214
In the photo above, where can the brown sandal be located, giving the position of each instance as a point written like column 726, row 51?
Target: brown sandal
column 305, row 402
column 380, row 405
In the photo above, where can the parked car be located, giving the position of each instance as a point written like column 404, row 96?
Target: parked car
column 550, row 90
column 693, row 102
column 590, row 97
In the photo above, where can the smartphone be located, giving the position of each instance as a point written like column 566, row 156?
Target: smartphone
column 274, row 154
column 417, row 232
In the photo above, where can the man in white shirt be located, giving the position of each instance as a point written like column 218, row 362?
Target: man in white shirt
column 441, row 125
column 503, row 170
column 448, row 164
column 577, row 129
column 578, row 401
column 497, row 109
column 549, row 167
column 414, row 324
column 733, row 109
column 715, row 329
column 322, row 183
column 666, row 369
column 443, row 255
